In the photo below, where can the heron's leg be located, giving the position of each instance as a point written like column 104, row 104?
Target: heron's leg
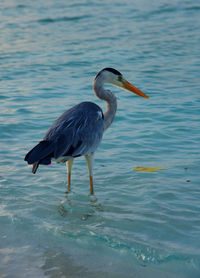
column 69, row 169
column 90, row 163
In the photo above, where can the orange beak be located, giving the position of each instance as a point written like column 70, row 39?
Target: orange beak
column 128, row 86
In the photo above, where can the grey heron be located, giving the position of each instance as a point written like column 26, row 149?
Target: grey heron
column 79, row 130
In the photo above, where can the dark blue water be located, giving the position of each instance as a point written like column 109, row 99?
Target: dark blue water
column 140, row 224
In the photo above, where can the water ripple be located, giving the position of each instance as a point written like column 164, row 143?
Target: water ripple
column 61, row 19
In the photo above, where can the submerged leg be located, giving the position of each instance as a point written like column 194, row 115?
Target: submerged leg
column 69, row 169
column 90, row 163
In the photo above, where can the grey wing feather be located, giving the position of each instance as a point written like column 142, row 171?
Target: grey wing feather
column 77, row 131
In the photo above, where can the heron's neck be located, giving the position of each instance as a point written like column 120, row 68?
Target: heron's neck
column 111, row 100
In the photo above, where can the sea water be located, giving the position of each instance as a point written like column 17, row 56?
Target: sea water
column 139, row 224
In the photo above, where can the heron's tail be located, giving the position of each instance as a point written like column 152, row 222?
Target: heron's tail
column 40, row 154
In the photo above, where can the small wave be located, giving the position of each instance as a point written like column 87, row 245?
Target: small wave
column 21, row 6
column 60, row 19
column 192, row 8
column 167, row 9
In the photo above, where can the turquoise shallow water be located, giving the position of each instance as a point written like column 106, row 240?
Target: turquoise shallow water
column 142, row 224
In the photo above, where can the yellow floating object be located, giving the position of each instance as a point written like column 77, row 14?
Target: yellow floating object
column 148, row 169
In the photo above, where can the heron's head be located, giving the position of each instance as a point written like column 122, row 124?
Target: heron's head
column 114, row 77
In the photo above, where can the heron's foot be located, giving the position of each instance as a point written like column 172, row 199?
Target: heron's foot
column 68, row 190
column 93, row 199
column 62, row 210
column 68, row 187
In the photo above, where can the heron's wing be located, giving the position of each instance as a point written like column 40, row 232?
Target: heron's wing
column 78, row 131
